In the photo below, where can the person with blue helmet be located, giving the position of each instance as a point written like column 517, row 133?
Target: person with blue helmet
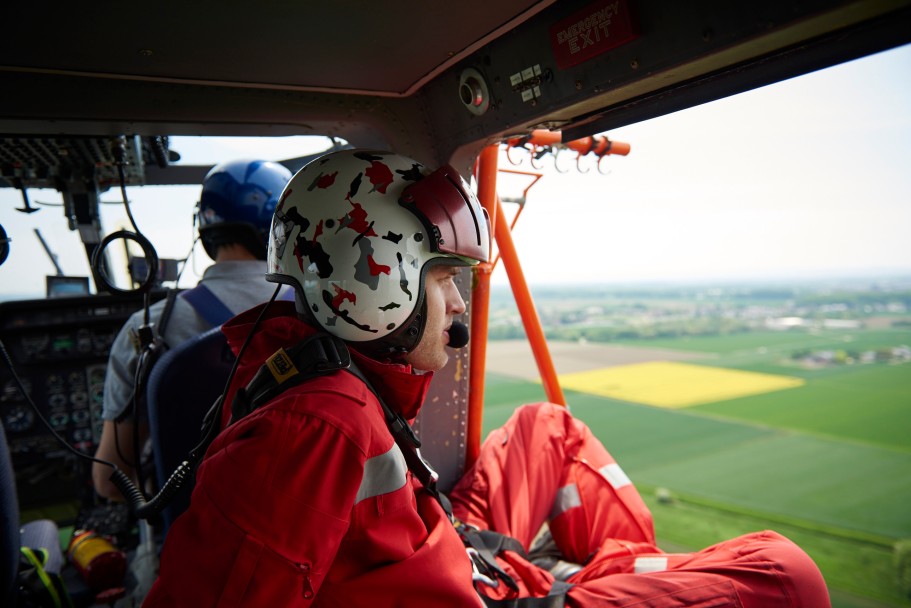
column 237, row 202
column 235, row 210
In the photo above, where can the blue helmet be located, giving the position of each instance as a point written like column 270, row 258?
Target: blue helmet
column 237, row 202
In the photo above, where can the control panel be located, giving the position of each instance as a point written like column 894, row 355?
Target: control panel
column 59, row 348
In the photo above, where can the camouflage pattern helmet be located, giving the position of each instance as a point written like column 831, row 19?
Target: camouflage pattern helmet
column 354, row 233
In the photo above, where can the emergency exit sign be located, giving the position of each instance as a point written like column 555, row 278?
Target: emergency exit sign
column 594, row 30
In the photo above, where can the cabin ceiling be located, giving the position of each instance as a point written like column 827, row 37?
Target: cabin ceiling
column 437, row 81
column 356, row 47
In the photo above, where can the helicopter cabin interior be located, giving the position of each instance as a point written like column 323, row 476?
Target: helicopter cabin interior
column 92, row 94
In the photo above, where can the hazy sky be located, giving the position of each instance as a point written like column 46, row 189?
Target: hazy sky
column 808, row 177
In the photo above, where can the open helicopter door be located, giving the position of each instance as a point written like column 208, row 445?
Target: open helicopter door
column 450, row 423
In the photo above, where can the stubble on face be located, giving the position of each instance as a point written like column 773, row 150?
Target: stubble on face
column 443, row 302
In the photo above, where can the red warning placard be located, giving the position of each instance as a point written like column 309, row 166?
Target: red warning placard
column 596, row 29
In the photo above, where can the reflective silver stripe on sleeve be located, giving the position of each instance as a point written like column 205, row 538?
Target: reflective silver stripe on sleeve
column 650, row 564
column 383, row 474
column 615, row 475
column 567, row 498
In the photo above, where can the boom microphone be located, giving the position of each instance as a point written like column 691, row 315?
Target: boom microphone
column 458, row 335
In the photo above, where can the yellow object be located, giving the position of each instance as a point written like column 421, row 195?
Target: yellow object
column 281, row 366
column 674, row 385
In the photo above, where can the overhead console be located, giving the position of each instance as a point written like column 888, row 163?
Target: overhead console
column 52, row 161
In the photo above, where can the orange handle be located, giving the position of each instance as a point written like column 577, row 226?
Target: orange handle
column 598, row 145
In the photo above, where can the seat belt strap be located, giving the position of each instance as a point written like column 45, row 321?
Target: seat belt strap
column 485, row 544
column 323, row 354
column 552, row 600
column 166, row 312
column 151, row 346
column 207, row 305
column 317, row 355
column 409, row 444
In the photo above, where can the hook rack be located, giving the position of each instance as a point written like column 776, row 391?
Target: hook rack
column 542, row 142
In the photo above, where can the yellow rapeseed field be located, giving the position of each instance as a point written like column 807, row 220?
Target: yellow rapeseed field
column 674, row 385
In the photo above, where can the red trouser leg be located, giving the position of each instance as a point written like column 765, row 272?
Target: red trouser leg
column 544, row 465
column 538, row 467
column 759, row 570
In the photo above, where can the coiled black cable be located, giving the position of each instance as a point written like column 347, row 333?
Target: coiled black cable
column 118, row 149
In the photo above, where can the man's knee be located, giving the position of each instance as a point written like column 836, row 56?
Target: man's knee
column 799, row 575
column 542, row 413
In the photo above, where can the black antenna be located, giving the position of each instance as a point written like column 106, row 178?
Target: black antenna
column 50, row 253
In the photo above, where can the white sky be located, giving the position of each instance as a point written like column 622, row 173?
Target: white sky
column 808, row 177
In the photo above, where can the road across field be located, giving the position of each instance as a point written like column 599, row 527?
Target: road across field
column 514, row 358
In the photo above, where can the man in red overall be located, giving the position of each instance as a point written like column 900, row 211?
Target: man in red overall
column 310, row 496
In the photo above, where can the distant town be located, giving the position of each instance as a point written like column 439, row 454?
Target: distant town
column 633, row 313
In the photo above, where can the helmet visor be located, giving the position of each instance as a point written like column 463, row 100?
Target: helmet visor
column 451, row 213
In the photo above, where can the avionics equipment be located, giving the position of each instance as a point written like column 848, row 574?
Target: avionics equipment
column 60, row 348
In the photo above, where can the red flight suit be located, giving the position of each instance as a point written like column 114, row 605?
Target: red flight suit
column 544, row 465
column 307, row 502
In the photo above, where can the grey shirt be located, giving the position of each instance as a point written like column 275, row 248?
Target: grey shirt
column 238, row 284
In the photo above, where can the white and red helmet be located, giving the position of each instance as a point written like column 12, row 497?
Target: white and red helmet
column 355, row 232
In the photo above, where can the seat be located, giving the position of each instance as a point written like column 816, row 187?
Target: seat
column 182, row 386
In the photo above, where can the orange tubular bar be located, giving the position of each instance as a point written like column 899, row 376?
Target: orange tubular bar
column 527, row 311
column 598, row 145
column 515, row 218
column 480, row 306
column 543, row 137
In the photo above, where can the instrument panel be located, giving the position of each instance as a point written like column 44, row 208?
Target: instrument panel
column 59, row 348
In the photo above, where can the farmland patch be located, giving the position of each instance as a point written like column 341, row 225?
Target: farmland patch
column 674, row 384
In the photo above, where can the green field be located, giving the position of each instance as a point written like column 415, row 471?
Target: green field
column 865, row 403
column 869, row 404
column 746, row 344
column 827, row 463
